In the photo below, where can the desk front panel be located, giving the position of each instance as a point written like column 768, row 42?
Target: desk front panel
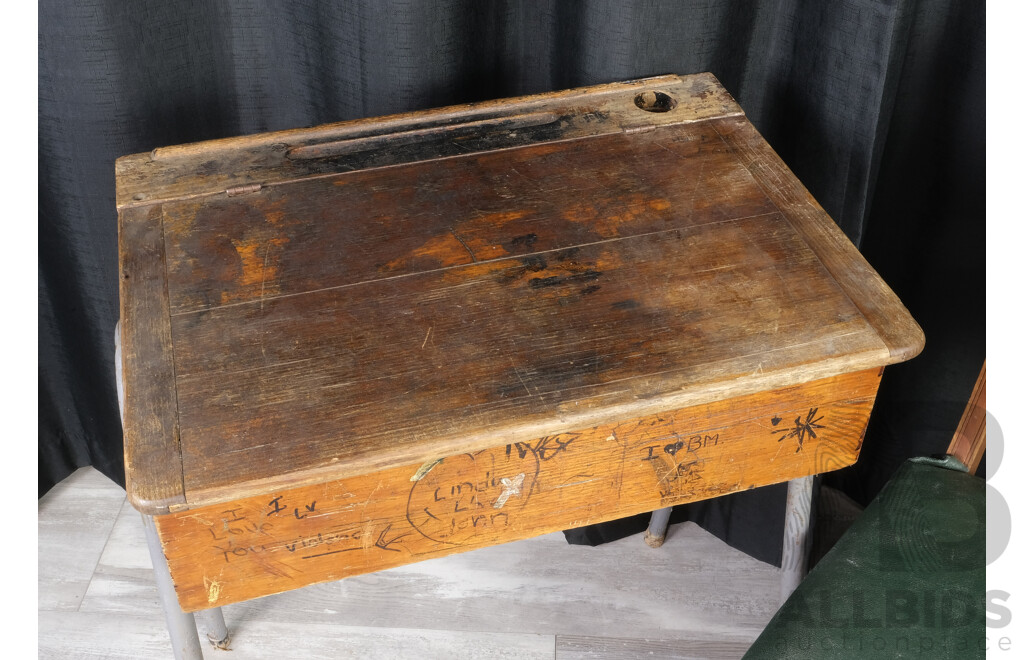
column 289, row 538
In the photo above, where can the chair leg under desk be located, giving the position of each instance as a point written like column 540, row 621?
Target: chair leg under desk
column 181, row 626
column 796, row 541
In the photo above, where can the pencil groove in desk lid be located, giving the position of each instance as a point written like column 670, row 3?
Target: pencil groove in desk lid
column 342, row 316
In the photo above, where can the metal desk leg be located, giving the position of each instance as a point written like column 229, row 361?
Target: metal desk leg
column 655, row 534
column 212, row 621
column 796, row 541
column 181, row 626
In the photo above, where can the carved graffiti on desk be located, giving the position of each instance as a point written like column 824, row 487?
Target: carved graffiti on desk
column 546, row 448
column 231, row 534
column 326, row 542
column 468, row 498
column 800, row 430
column 385, row 543
column 314, row 544
column 469, row 493
column 276, row 505
column 690, row 444
column 673, row 478
column 510, row 487
column 676, row 464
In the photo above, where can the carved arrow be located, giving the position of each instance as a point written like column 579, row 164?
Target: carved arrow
column 385, row 543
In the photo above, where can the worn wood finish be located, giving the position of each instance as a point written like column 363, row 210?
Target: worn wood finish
column 213, row 167
column 361, row 345
column 152, row 455
column 450, row 281
column 284, row 539
column 376, row 224
column 872, row 296
column 413, row 368
column 968, row 444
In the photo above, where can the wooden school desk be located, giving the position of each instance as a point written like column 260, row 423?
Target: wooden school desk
column 361, row 345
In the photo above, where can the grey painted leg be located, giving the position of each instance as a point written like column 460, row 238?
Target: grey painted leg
column 796, row 542
column 181, row 626
column 216, row 629
column 655, row 534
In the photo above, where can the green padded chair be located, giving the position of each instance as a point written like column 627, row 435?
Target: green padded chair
column 907, row 580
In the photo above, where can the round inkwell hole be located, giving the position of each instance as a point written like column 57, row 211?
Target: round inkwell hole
column 654, row 101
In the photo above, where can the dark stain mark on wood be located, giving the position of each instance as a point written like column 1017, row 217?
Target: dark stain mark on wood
column 561, row 280
column 524, row 242
column 567, row 254
column 534, row 262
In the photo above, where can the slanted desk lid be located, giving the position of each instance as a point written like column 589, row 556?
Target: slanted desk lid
column 315, row 304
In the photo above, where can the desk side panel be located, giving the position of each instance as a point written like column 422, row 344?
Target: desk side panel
column 286, row 539
column 152, row 453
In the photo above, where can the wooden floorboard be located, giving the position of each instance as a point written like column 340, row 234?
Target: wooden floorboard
column 692, row 598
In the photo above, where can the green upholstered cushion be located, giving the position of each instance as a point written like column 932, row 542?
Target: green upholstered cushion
column 907, row 580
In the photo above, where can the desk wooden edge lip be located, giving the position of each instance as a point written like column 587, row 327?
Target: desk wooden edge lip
column 151, row 433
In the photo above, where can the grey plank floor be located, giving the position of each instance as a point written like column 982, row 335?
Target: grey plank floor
column 541, row 598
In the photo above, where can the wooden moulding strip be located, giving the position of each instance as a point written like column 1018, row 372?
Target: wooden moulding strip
column 289, row 538
column 152, row 454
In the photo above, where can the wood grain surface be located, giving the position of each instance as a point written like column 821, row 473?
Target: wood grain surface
column 288, row 538
column 377, row 224
column 152, row 454
column 409, row 368
column 213, row 167
column 865, row 287
column 325, row 303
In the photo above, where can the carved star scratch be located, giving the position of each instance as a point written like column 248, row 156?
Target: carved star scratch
column 801, row 429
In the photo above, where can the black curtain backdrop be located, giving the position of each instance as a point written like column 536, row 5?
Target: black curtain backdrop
column 877, row 105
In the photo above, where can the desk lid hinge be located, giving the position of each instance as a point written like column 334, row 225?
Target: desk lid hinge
column 642, row 128
column 243, row 190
